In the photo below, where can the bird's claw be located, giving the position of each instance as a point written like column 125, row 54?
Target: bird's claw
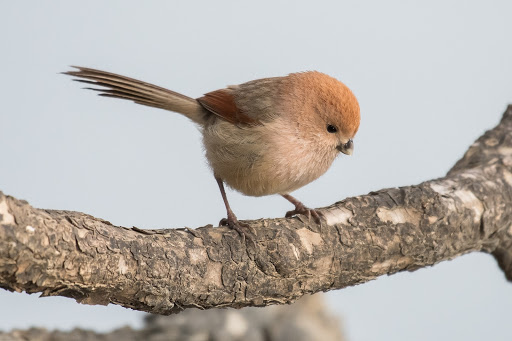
column 308, row 212
column 234, row 224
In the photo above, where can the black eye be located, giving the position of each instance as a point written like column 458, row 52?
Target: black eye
column 331, row 129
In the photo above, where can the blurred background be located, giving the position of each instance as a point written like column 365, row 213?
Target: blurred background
column 430, row 77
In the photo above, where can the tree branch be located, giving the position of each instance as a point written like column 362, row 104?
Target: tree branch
column 164, row 271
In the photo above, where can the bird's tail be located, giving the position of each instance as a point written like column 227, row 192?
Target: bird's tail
column 118, row 86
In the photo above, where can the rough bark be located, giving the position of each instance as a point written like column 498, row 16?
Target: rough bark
column 165, row 271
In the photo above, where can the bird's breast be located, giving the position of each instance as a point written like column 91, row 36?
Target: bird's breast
column 264, row 159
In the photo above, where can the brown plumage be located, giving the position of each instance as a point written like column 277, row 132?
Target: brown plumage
column 140, row 92
column 222, row 103
column 267, row 136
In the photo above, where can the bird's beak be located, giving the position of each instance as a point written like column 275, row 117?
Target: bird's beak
column 347, row 148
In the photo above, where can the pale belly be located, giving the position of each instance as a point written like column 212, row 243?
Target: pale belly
column 255, row 163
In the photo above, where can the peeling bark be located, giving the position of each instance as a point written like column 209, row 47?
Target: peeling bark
column 165, row 271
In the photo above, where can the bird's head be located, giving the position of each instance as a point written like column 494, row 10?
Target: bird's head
column 325, row 109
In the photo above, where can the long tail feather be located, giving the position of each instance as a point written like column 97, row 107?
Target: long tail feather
column 118, row 86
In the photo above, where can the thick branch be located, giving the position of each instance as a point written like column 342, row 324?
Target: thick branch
column 164, row 271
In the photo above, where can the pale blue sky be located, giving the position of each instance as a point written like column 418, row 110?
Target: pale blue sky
column 430, row 77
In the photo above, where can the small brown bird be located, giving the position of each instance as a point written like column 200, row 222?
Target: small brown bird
column 266, row 136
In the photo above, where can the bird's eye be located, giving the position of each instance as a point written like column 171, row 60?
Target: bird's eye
column 331, row 129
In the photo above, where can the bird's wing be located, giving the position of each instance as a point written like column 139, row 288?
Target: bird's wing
column 222, row 103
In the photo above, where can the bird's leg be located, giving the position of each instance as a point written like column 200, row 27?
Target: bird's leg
column 231, row 221
column 301, row 209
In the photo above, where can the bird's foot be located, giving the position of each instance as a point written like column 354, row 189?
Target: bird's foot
column 308, row 212
column 232, row 222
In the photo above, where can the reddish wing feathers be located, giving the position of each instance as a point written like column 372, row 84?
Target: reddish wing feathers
column 219, row 102
column 222, row 103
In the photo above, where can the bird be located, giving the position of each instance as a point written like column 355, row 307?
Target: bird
column 263, row 137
